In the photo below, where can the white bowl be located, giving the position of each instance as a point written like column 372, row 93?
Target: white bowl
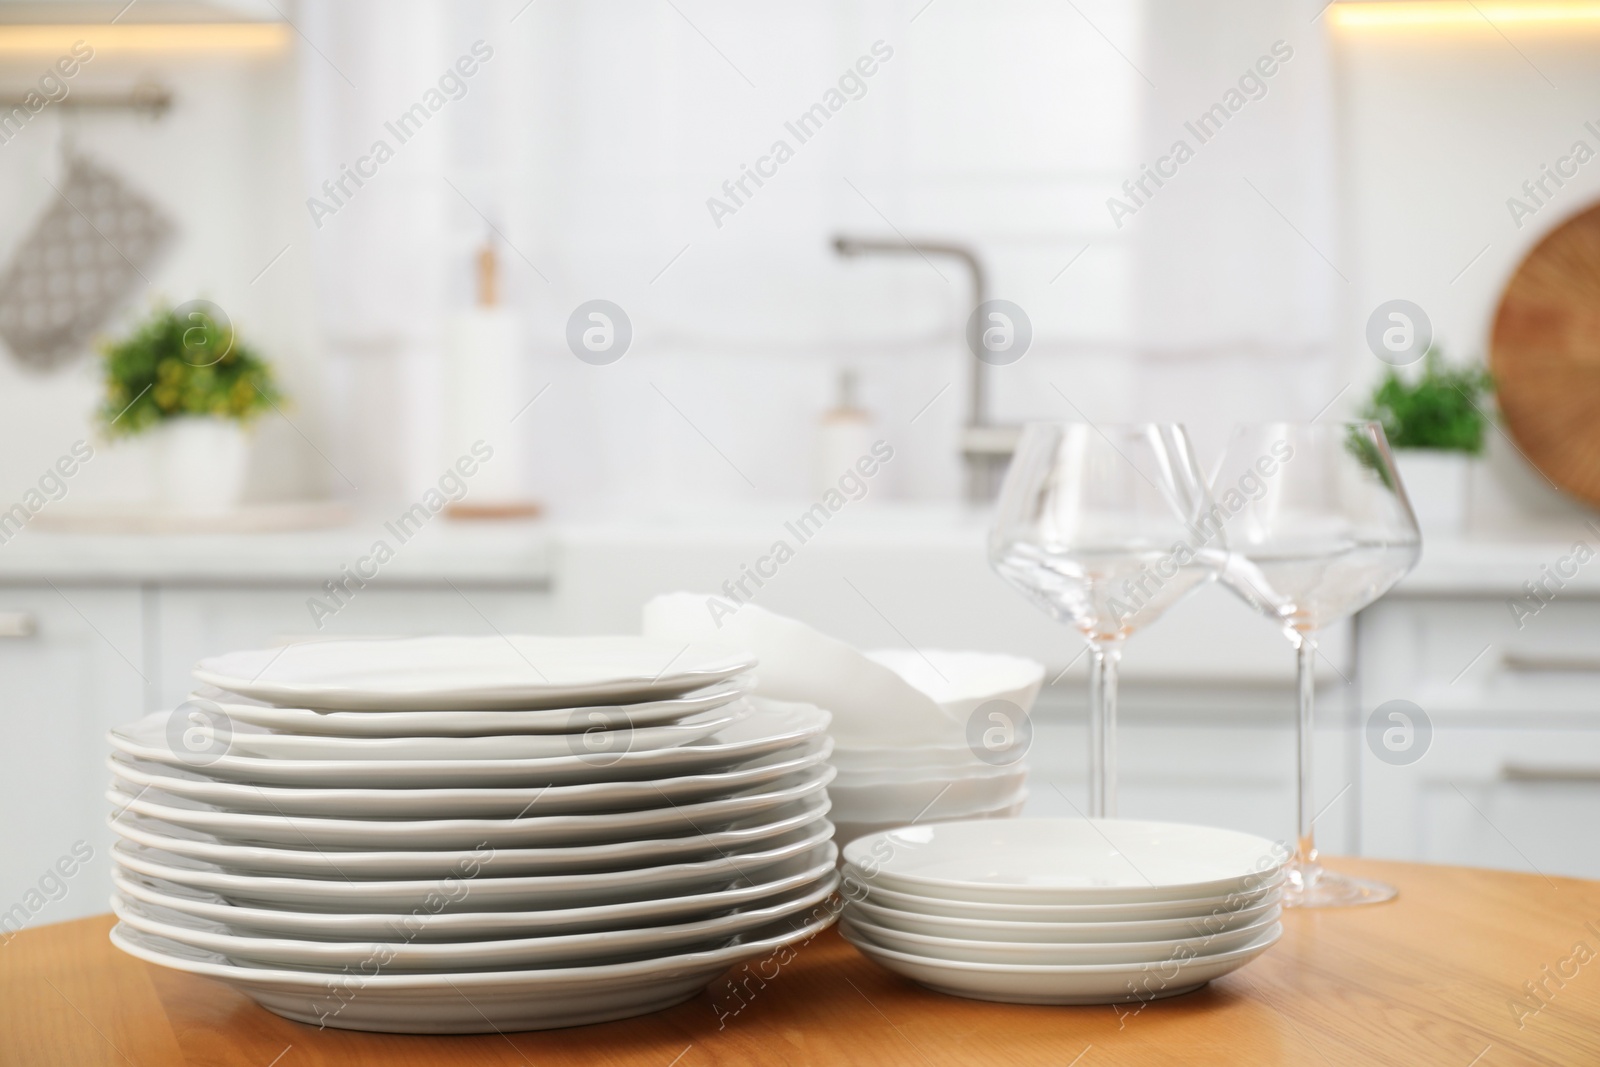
column 1023, row 953
column 922, row 759
column 930, row 798
column 910, row 767
column 848, row 831
column 961, row 682
column 1062, row 933
column 1062, row 984
column 855, row 880
column 1066, row 861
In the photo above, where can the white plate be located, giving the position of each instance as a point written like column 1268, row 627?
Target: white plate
column 488, row 802
column 810, row 863
column 1066, row 913
column 457, row 723
column 594, row 732
column 1086, row 953
column 401, row 955
column 1066, row 861
column 468, row 889
column 520, row 671
column 477, row 1001
column 705, row 816
column 1106, row 984
column 771, row 727
column 439, row 863
column 1062, row 933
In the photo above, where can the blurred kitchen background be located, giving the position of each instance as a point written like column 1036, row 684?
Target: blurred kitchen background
column 567, row 154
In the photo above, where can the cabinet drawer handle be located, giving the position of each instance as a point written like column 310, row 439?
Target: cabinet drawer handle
column 1546, row 661
column 18, row 624
column 1533, row 772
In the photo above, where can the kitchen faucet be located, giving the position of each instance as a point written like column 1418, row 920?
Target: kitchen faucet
column 986, row 448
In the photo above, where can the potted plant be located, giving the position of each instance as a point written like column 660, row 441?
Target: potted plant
column 184, row 376
column 1435, row 423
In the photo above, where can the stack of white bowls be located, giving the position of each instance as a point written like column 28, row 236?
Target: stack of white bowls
column 1062, row 911
column 975, row 770
column 442, row 835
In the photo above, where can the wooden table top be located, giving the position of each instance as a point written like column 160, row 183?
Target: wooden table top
column 1436, row 977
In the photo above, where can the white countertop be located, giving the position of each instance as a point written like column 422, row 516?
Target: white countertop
column 459, row 551
column 528, row 551
column 1500, row 567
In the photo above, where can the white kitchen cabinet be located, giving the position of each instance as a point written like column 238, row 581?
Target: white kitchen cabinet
column 1510, row 776
column 1216, row 755
column 78, row 659
column 74, row 663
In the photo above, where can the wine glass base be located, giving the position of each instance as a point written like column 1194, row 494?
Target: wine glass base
column 1312, row 886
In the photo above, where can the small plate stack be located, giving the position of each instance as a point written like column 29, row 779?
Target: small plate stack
column 977, row 771
column 451, row 835
column 1062, row 911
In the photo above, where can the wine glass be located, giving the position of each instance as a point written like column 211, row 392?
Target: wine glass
column 1100, row 527
column 1318, row 527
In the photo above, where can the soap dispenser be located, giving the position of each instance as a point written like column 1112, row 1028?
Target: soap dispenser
column 844, row 434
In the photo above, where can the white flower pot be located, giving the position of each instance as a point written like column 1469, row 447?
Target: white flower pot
column 200, row 464
column 1438, row 484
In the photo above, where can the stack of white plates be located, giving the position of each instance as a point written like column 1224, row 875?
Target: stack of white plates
column 450, row 835
column 978, row 772
column 1062, row 911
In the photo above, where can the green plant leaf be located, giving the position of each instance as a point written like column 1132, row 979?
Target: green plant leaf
column 168, row 368
column 1444, row 408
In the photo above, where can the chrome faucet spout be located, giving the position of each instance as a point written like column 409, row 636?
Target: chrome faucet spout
column 984, row 450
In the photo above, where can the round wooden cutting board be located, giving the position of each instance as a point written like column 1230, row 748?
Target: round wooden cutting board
column 1545, row 355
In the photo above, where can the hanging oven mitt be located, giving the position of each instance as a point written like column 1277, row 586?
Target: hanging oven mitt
column 90, row 252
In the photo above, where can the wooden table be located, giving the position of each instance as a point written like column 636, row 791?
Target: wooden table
column 1436, row 977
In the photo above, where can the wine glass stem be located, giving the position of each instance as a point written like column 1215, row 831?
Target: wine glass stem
column 1103, row 731
column 1306, row 648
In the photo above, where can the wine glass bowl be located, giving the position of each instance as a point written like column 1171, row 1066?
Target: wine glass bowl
column 1318, row 527
column 1103, row 528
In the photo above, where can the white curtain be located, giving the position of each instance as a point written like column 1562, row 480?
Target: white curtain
column 592, row 139
column 1240, row 275
column 407, row 97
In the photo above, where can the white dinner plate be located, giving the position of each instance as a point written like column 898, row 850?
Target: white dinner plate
column 472, row 877
column 401, row 955
column 477, row 1001
column 292, row 831
column 519, row 671
column 458, row 723
column 1086, row 953
column 438, row 863
column 463, row 891
column 1064, row 933
column 593, row 733
column 772, row 726
column 1064, row 913
column 467, row 802
column 812, row 861
column 1066, row 861
column 1105, row 984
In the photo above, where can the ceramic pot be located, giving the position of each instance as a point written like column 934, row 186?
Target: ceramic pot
column 200, row 464
column 1438, row 484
